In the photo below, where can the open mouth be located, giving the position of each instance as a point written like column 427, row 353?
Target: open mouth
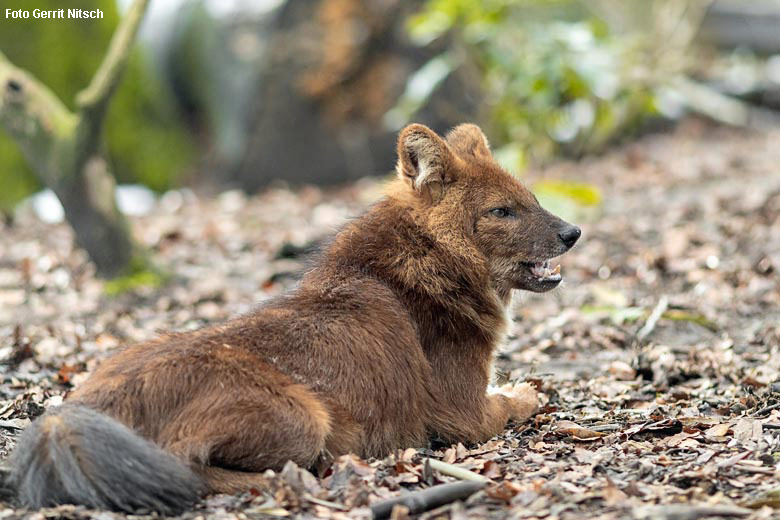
column 543, row 274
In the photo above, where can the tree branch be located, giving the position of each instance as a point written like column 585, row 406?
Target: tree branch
column 455, row 471
column 425, row 499
column 35, row 118
column 93, row 100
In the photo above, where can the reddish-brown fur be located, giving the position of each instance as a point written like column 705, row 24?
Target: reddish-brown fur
column 388, row 340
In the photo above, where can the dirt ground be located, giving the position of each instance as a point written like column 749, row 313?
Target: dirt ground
column 659, row 358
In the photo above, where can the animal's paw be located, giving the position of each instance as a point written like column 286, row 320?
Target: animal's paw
column 523, row 399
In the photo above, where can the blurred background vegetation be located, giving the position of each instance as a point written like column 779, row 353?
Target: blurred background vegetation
column 147, row 139
column 242, row 93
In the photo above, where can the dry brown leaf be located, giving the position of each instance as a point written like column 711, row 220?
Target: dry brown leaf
column 719, row 430
column 747, row 430
column 613, row 495
column 450, row 456
column 577, row 432
column 491, row 470
column 622, row 371
column 504, row 491
column 679, row 440
column 408, row 454
column 461, row 452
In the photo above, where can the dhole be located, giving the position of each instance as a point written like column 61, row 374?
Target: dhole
column 389, row 340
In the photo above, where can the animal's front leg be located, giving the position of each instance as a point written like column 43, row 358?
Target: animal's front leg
column 487, row 415
column 520, row 400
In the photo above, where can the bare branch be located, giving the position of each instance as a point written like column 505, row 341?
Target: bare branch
column 660, row 309
column 426, row 499
column 35, row 118
column 455, row 471
column 93, row 100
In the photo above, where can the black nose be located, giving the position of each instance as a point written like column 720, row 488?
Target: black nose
column 570, row 235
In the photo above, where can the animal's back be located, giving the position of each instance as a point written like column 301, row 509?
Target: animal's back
column 344, row 342
column 332, row 368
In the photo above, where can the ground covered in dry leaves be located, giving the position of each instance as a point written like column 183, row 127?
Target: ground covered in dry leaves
column 658, row 359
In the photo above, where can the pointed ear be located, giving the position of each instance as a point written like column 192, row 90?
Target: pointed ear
column 468, row 139
column 425, row 161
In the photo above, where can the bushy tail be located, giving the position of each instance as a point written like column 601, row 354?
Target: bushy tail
column 75, row 455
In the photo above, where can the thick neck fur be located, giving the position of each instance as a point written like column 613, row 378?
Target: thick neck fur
column 442, row 280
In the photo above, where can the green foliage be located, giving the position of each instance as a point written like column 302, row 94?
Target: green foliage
column 573, row 201
column 565, row 77
column 692, row 317
column 617, row 315
column 620, row 315
column 140, row 273
column 583, row 194
column 131, row 282
column 555, row 77
column 419, row 88
column 146, row 141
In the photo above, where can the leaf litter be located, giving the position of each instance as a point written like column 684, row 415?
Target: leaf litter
column 672, row 415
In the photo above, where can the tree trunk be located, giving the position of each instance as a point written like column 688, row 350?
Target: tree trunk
column 66, row 152
column 334, row 69
column 88, row 201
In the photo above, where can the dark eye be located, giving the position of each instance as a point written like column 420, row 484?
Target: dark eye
column 501, row 212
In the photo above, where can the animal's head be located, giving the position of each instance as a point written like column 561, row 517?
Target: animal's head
column 467, row 198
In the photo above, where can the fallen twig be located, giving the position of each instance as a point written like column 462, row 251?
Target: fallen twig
column 605, row 427
column 732, row 460
column 766, row 409
column 755, row 469
column 326, row 503
column 659, row 310
column 423, row 500
column 455, row 471
column 684, row 512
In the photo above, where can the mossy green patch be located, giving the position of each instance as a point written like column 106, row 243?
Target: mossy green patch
column 141, row 273
column 620, row 315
